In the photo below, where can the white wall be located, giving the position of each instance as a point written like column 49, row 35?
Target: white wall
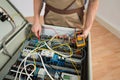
column 25, row 7
column 109, row 11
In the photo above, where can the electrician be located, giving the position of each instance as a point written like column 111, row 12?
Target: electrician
column 66, row 13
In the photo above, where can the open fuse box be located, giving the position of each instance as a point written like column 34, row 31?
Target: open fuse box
column 54, row 57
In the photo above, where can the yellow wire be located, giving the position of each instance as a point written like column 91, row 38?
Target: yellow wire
column 59, row 45
column 71, row 53
column 34, row 60
column 54, row 51
column 73, row 63
column 52, row 38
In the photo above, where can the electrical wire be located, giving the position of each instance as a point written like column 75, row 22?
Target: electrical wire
column 73, row 63
column 56, row 71
column 34, row 61
column 85, row 54
column 34, row 52
column 19, row 72
column 45, row 67
column 25, row 67
column 51, row 39
column 24, row 60
column 65, row 56
column 27, row 72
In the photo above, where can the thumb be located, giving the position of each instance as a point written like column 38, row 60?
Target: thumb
column 82, row 35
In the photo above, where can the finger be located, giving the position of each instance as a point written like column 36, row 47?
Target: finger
column 38, row 35
column 81, row 35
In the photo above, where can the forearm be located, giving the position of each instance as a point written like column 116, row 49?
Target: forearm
column 37, row 10
column 90, row 15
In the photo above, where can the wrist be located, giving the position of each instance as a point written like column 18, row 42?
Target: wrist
column 86, row 32
column 86, row 29
column 37, row 19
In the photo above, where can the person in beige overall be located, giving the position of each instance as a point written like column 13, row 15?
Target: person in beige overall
column 65, row 13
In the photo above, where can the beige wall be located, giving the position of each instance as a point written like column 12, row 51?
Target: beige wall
column 109, row 12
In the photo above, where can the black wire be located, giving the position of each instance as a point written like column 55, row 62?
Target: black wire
column 56, row 71
column 84, row 54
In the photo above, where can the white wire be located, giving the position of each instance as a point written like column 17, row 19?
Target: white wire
column 20, row 65
column 19, row 72
column 65, row 56
column 25, row 61
column 32, row 53
column 27, row 72
column 45, row 67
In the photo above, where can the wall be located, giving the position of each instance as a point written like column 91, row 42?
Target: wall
column 109, row 15
column 25, row 7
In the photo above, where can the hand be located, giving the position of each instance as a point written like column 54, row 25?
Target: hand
column 84, row 31
column 84, row 34
column 36, row 29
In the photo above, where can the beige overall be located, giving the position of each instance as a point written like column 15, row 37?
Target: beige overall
column 66, row 13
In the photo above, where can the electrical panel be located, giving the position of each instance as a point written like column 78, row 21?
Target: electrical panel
column 55, row 54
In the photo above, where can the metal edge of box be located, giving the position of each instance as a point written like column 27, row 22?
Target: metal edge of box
column 90, row 76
